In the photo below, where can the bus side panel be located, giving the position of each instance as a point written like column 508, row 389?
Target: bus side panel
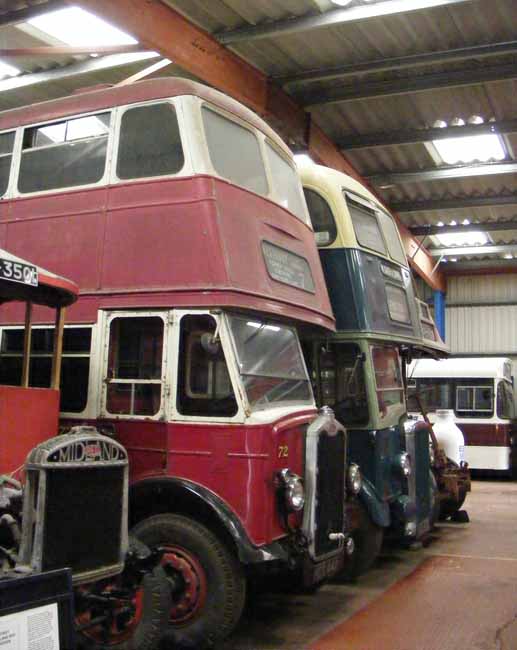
column 238, row 463
column 166, row 235
column 63, row 231
column 487, row 445
column 357, row 289
column 246, row 220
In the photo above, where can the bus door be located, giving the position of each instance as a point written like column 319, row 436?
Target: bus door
column 135, row 384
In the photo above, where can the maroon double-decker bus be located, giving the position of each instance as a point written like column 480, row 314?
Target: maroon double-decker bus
column 181, row 216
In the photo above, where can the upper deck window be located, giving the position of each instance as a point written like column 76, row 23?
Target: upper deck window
column 150, row 143
column 64, row 154
column 286, row 183
column 234, row 152
column 322, row 218
column 366, row 227
column 6, row 154
column 392, row 238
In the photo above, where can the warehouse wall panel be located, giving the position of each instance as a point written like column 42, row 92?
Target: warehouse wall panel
column 490, row 329
column 479, row 288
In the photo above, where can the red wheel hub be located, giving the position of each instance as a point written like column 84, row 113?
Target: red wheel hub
column 193, row 594
column 123, row 624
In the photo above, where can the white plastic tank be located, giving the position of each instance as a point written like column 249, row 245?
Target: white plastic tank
column 449, row 435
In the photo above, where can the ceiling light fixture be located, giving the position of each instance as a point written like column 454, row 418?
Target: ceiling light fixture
column 75, row 26
column 475, row 238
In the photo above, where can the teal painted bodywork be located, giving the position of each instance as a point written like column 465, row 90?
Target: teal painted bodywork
column 378, row 509
column 356, row 282
column 404, row 500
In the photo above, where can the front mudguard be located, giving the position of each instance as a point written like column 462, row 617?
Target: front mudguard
column 378, row 509
column 403, row 509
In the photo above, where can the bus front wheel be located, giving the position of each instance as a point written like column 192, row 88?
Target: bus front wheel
column 210, row 599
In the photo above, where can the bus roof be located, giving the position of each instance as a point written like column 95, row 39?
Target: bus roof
column 472, row 367
column 36, row 284
column 97, row 99
column 328, row 178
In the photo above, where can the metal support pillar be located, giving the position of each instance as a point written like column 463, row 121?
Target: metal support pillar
column 439, row 312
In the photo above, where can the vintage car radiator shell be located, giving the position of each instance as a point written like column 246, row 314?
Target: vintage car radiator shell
column 75, row 511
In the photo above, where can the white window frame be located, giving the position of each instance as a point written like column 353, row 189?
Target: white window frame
column 10, row 180
column 258, row 135
column 223, row 333
column 473, row 409
column 186, row 144
column 164, row 381
column 370, row 205
column 15, row 193
column 305, row 218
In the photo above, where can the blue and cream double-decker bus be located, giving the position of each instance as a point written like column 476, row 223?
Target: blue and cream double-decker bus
column 360, row 370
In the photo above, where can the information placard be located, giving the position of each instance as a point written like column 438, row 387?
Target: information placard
column 32, row 629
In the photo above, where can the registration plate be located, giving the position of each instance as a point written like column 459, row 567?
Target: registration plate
column 317, row 571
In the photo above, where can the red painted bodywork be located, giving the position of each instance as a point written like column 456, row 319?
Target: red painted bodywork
column 176, row 243
column 189, row 242
column 486, row 434
column 238, row 463
column 29, row 416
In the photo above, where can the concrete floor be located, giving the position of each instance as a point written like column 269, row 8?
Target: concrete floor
column 467, row 570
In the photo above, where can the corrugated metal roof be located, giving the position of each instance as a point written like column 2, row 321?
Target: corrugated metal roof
column 432, row 30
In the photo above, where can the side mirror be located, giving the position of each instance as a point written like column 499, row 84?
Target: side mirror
column 210, row 344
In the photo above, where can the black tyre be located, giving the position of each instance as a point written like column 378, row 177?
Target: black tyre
column 368, row 542
column 450, row 506
column 144, row 628
column 214, row 587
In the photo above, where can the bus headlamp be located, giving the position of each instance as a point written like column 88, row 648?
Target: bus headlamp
column 294, row 492
column 354, row 479
column 404, row 463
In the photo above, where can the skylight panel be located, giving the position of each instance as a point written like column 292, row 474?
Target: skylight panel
column 74, row 26
column 470, row 148
column 7, row 70
column 475, row 238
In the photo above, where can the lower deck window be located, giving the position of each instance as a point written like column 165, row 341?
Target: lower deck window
column 75, row 366
column 134, row 380
column 388, row 378
column 342, row 384
column 204, row 385
column 474, row 400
